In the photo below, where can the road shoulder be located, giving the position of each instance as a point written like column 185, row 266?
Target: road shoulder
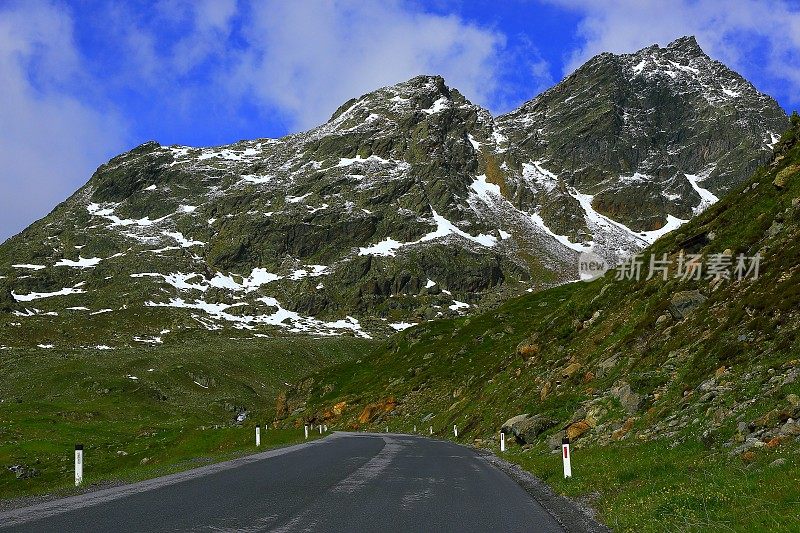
column 573, row 516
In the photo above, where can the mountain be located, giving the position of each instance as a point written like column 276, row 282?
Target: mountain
column 680, row 392
column 409, row 204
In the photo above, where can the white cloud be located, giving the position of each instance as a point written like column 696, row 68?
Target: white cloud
column 50, row 141
column 759, row 39
column 307, row 58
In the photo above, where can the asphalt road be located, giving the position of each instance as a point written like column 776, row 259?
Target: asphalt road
column 346, row 482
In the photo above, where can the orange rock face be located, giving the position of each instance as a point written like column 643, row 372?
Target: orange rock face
column 373, row 410
column 577, row 429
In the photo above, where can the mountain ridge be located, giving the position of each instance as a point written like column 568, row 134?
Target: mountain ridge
column 410, row 203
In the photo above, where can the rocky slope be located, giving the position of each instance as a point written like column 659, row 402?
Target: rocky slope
column 652, row 357
column 410, row 203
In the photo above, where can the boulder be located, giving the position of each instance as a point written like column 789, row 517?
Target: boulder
column 791, row 428
column 526, row 428
column 545, row 391
column 629, row 400
column 508, row 426
column 577, row 429
column 684, row 302
column 781, row 180
column 619, row 433
column 749, row 444
column 554, row 442
column 570, row 370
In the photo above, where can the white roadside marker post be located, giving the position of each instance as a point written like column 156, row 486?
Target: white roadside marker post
column 320, row 429
column 430, row 430
column 387, row 429
column 415, row 429
column 306, row 428
column 502, row 441
column 78, row 464
column 258, row 435
column 455, row 430
column 567, row 458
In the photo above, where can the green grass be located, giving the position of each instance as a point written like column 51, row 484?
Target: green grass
column 53, row 399
column 662, row 487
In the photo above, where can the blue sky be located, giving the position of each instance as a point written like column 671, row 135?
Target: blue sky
column 85, row 80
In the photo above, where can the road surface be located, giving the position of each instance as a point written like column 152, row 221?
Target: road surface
column 347, row 482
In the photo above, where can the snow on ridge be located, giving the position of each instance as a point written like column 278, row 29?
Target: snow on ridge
column 563, row 239
column 347, row 161
column 30, row 267
column 281, row 317
column 483, row 189
column 400, row 326
column 636, row 177
column 182, row 282
column 439, row 105
column 82, row 262
column 252, row 178
column 228, row 154
column 316, row 271
column 183, row 241
column 773, row 140
column 39, row 295
column 108, row 213
column 444, row 228
column 707, row 198
column 600, row 220
column 386, row 247
column 458, row 305
column 535, row 173
column 297, row 199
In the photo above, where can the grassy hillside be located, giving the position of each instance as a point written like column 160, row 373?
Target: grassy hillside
column 681, row 395
column 144, row 411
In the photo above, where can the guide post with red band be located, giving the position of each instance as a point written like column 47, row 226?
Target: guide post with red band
column 567, row 458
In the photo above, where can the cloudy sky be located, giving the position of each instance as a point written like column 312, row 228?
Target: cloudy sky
column 84, row 80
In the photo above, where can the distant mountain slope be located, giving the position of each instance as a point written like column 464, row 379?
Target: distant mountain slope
column 409, row 204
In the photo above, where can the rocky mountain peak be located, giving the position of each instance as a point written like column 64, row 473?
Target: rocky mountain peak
column 630, row 132
column 686, row 45
column 410, row 203
column 419, row 94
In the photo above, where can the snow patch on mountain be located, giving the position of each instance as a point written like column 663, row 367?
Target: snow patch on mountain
column 89, row 262
column 444, row 228
column 39, row 295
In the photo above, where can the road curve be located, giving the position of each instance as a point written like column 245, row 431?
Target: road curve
column 347, row 482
